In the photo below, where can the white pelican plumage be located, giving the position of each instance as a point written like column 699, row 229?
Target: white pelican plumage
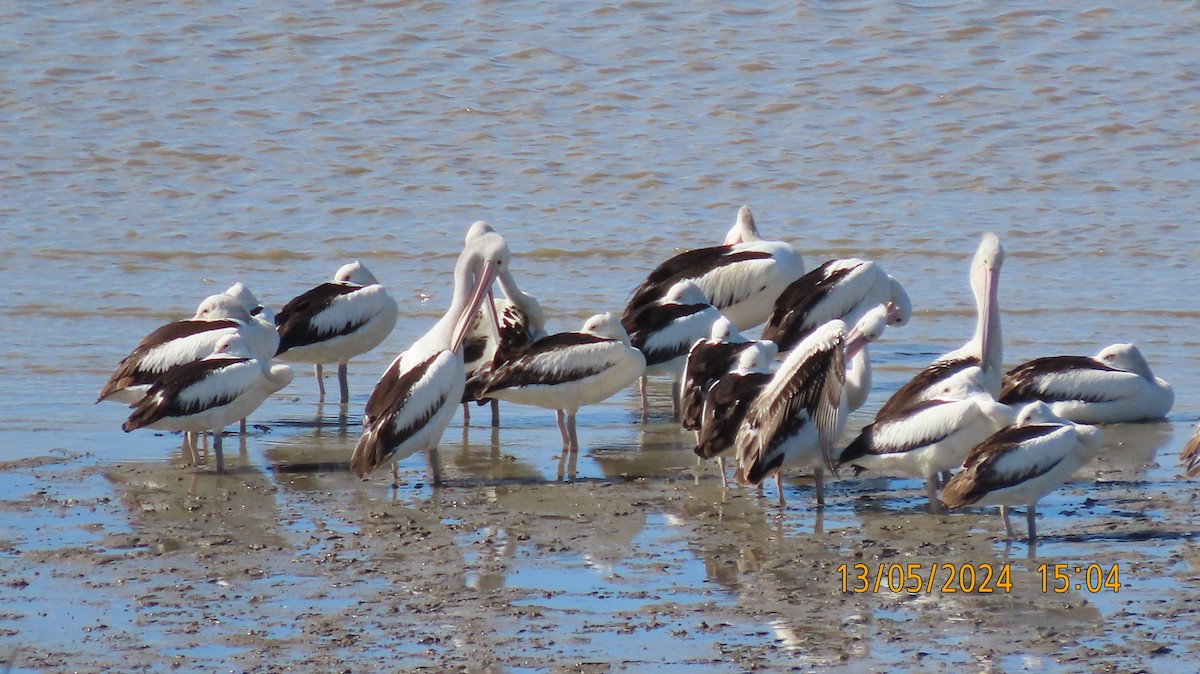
column 336, row 321
column 415, row 399
column 844, row 289
column 666, row 330
column 568, row 370
column 521, row 322
column 209, row 394
column 185, row 341
column 928, row 438
column 249, row 301
column 741, row 278
column 979, row 362
column 1022, row 463
column 1114, row 386
column 797, row 417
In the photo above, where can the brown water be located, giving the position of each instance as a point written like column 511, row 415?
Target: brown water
column 153, row 153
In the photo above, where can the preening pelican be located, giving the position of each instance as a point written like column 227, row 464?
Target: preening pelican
column 729, row 398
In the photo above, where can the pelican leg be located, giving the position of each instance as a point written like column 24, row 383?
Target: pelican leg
column 218, row 451
column 819, row 485
column 320, row 374
column 395, row 476
column 721, row 467
column 931, row 492
column 676, row 413
column 242, row 427
column 435, row 466
column 344, row 381
column 1029, row 519
column 495, row 413
column 574, row 439
column 562, row 429
column 189, row 444
column 779, row 487
column 466, row 414
column 945, row 477
column 645, row 402
column 1007, row 525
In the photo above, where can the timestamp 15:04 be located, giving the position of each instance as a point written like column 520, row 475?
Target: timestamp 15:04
column 973, row 578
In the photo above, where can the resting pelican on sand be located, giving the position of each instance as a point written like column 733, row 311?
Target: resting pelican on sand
column 1022, row 463
column 415, row 399
column 741, row 277
column 1114, row 386
column 336, row 321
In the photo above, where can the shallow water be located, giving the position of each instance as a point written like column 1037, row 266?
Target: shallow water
column 156, row 154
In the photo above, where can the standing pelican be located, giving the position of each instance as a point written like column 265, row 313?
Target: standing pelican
column 209, row 394
column 797, row 417
column 665, row 331
column 335, row 322
column 1115, row 386
column 1022, row 463
column 520, row 322
column 741, row 277
column 568, row 370
column 979, row 362
column 707, row 361
column 844, row 289
column 729, row 398
column 415, row 398
column 183, row 342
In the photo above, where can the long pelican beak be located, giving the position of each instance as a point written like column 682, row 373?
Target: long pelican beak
column 991, row 283
column 483, row 287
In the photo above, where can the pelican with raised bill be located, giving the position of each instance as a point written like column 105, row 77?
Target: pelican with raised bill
column 209, row 394
column 415, row 399
column 336, row 321
column 521, row 322
column 1114, row 386
column 843, row 289
column 741, row 277
column 568, row 370
column 665, row 331
column 978, row 364
column 797, row 417
column 186, row 341
column 1021, row 464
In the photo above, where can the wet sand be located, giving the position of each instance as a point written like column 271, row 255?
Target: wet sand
column 641, row 563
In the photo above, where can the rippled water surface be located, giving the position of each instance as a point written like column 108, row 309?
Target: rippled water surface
column 152, row 153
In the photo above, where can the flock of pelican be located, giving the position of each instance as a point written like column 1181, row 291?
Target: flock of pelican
column 781, row 402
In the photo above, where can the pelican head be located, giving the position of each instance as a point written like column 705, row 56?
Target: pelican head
column 356, row 273
column 478, row 229
column 899, row 306
column 1126, row 357
column 723, row 330
column 481, row 260
column 744, row 230
column 868, row 329
column 1036, row 412
column 606, row 325
column 233, row 346
column 222, row 306
column 685, row 292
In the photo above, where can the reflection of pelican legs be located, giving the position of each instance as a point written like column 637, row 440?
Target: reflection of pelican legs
column 568, row 463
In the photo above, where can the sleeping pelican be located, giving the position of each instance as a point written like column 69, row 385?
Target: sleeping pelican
column 979, row 362
column 741, row 277
column 1022, row 463
column 845, row 289
column 413, row 402
column 568, row 370
column 209, row 394
column 1114, row 386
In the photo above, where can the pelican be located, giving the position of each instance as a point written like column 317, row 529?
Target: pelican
column 1022, row 463
column 242, row 294
column 741, row 277
column 665, row 331
column 726, row 402
column 209, row 394
column 1190, row 455
column 1114, row 386
column 799, row 414
column 520, row 322
column 845, row 289
column 186, row 341
column 928, row 438
column 335, row 322
column 979, row 362
column 415, row 398
column 707, row 361
column 568, row 370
